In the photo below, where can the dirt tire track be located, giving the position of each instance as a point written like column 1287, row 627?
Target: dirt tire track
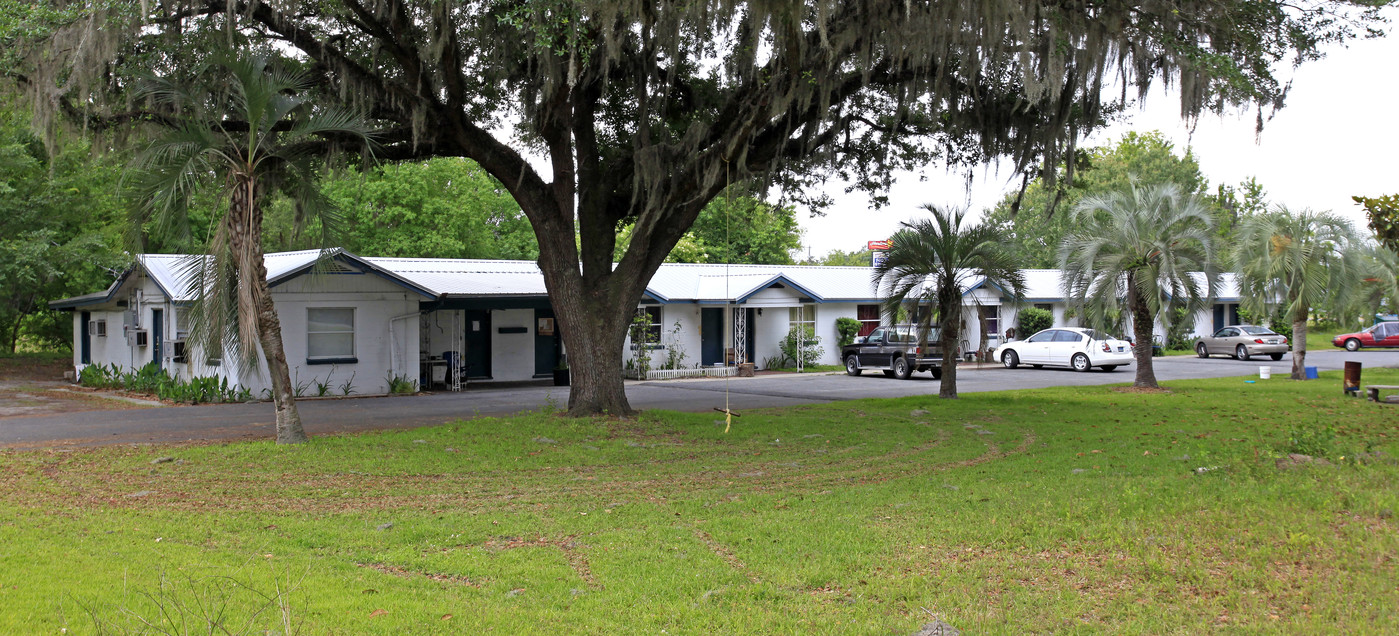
column 496, row 489
column 724, row 554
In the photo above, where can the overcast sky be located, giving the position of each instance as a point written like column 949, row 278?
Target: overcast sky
column 1338, row 136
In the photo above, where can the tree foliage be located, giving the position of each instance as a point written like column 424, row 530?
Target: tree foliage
column 934, row 262
column 240, row 129
column 841, row 258
column 643, row 112
column 1134, row 254
column 1037, row 230
column 735, row 228
column 440, row 208
column 1384, row 218
column 1294, row 261
column 58, row 211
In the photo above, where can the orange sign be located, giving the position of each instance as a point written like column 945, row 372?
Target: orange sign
column 878, row 245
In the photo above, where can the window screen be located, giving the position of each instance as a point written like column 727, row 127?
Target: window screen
column 330, row 332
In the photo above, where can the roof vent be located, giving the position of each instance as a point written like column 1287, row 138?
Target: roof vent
column 337, row 267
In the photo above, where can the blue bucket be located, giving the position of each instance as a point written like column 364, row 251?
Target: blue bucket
column 1311, row 373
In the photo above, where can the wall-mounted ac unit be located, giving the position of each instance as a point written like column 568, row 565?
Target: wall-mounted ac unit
column 97, row 328
column 179, row 356
column 138, row 338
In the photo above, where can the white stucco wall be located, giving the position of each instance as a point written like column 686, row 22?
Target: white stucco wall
column 688, row 338
column 113, row 348
column 826, row 315
column 375, row 302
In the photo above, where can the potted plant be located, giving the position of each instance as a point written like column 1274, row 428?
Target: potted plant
column 561, row 371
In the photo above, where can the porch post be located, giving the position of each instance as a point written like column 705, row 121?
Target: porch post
column 740, row 333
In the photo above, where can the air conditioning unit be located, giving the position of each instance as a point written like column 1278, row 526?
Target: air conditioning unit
column 179, row 356
column 138, row 338
column 97, row 328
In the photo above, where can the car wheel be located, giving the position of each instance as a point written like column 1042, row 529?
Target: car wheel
column 1241, row 352
column 1276, row 356
column 1352, row 345
column 1010, row 359
column 1080, row 362
column 852, row 365
column 901, row 370
column 1108, row 367
column 937, row 373
column 1201, row 350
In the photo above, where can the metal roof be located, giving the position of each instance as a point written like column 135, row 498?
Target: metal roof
column 173, row 274
column 474, row 278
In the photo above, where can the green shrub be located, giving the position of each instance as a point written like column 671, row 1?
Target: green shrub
column 1034, row 320
column 401, row 384
column 152, row 380
column 848, row 328
column 801, row 343
column 1178, row 336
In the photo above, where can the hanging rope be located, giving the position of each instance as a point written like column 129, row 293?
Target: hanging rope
column 728, row 260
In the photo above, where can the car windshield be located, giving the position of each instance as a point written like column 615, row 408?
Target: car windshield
column 1258, row 331
column 1098, row 335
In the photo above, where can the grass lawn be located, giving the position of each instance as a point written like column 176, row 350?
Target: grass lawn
column 1321, row 340
column 1076, row 510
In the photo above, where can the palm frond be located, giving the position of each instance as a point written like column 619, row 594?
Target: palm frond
column 1146, row 238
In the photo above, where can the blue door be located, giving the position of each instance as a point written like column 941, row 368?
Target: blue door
column 478, row 344
column 86, row 339
column 547, row 343
column 711, row 336
column 157, row 337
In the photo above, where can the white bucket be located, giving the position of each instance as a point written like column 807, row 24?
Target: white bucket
column 1265, row 373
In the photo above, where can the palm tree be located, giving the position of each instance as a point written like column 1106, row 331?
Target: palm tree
column 935, row 261
column 1138, row 250
column 1295, row 261
column 242, row 133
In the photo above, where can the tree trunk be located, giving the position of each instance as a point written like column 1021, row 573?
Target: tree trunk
column 1141, row 329
column 950, row 310
column 1299, row 344
column 981, row 345
column 595, row 337
column 289, row 430
column 245, row 238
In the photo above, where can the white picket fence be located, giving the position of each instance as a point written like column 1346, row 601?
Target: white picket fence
column 697, row 372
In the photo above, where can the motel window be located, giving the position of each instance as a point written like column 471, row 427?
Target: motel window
column 868, row 315
column 993, row 320
column 1049, row 307
column 803, row 315
column 330, row 334
column 182, row 315
column 646, row 326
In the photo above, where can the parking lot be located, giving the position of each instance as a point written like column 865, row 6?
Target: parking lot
column 321, row 417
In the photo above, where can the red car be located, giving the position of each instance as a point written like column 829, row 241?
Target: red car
column 1384, row 334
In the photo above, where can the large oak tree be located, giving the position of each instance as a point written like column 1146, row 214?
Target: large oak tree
column 600, row 113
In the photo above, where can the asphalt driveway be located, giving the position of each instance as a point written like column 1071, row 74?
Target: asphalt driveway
column 321, row 417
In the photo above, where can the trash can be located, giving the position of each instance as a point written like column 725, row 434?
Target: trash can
column 1312, row 373
column 1351, row 384
column 1265, row 373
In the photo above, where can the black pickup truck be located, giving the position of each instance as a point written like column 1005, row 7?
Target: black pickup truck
column 895, row 351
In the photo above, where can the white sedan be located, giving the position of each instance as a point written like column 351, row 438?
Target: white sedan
column 1080, row 349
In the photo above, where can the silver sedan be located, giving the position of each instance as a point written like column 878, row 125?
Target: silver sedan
column 1243, row 341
